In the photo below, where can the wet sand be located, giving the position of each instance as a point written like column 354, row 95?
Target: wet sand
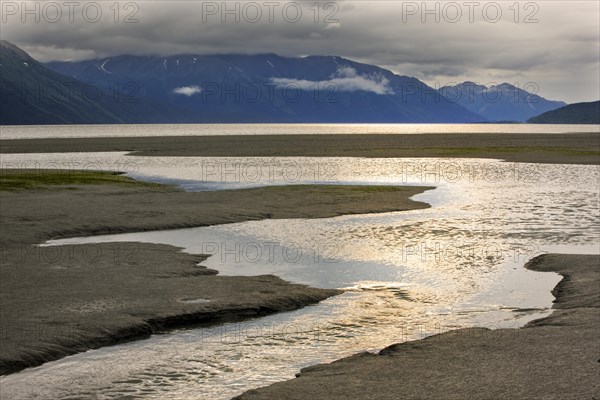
column 551, row 358
column 572, row 148
column 57, row 301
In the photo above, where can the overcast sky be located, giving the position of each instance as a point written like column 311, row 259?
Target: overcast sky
column 554, row 44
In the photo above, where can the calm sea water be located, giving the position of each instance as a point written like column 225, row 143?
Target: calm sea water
column 406, row 274
column 66, row 131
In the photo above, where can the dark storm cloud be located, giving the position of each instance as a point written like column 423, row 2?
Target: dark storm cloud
column 558, row 52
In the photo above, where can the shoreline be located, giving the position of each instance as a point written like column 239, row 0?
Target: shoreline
column 32, row 344
column 58, row 301
column 571, row 148
column 555, row 357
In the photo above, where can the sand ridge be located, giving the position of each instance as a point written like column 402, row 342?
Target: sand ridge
column 564, row 148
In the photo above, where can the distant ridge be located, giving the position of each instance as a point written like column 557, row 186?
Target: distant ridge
column 499, row 103
column 578, row 113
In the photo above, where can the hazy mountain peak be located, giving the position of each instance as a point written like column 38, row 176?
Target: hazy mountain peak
column 499, row 102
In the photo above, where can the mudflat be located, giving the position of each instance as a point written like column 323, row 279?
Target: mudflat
column 557, row 357
column 56, row 301
column 571, row 148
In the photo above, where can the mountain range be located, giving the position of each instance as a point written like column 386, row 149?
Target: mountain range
column 502, row 102
column 240, row 89
column 270, row 88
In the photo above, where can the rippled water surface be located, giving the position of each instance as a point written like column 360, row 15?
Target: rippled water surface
column 406, row 274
